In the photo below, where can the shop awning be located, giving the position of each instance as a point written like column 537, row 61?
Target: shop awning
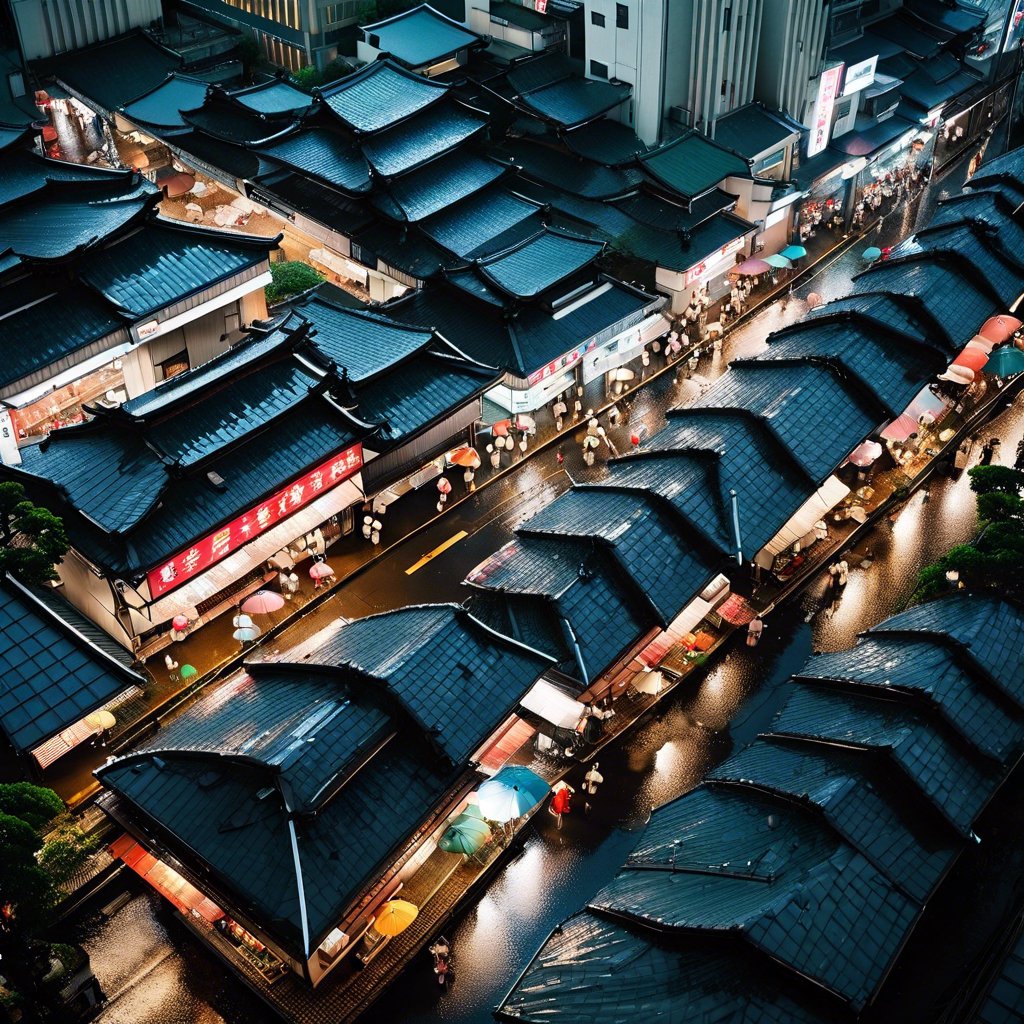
column 818, row 505
column 77, row 733
column 183, row 601
column 551, row 704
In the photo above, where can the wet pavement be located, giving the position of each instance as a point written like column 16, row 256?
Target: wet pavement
column 159, row 975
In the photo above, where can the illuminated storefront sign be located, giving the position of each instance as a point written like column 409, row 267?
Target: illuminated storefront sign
column 215, row 546
column 558, row 364
column 821, row 119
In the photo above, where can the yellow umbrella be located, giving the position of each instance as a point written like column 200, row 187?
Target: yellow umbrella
column 100, row 720
column 395, row 916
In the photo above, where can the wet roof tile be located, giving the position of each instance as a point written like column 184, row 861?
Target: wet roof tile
column 566, row 171
column 51, row 674
column 420, row 36
column 424, row 138
column 277, row 97
column 437, row 186
column 380, row 94
column 969, row 702
column 323, row 154
column 693, row 164
column 467, row 228
column 161, row 107
column 948, row 772
column 540, row 263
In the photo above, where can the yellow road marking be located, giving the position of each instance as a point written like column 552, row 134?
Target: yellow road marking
column 430, row 555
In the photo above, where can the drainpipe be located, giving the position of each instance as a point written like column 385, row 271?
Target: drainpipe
column 736, row 526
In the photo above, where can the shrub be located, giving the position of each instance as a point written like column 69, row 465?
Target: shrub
column 290, row 277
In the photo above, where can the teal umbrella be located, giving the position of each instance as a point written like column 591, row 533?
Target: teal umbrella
column 465, row 834
column 793, row 252
column 1005, row 361
column 871, row 253
column 188, row 671
column 511, row 793
column 779, row 262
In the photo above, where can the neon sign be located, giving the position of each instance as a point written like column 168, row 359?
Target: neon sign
column 212, row 548
column 821, row 119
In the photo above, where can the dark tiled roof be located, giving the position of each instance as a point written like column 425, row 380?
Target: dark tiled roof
column 420, row 36
column 272, row 98
column 116, row 71
column 910, row 33
column 321, row 202
column 597, row 970
column 162, row 106
column 553, row 86
column 360, row 341
column 789, row 399
column 324, row 154
column 59, row 325
column 644, row 540
column 862, row 805
column 23, row 172
column 873, row 139
column 380, row 94
column 564, row 171
column 948, row 773
column 888, row 310
column 925, row 665
column 753, row 130
column 161, row 264
column 232, row 810
column 468, row 227
column 457, row 678
column 403, row 247
column 989, row 630
column 605, row 142
column 889, row 367
column 225, row 156
column 422, row 139
column 1004, row 1000
column 997, row 264
column 599, row 605
column 423, row 389
column 540, row 263
column 64, row 216
column 51, row 674
column 230, row 122
column 792, row 891
column 437, row 186
column 692, row 164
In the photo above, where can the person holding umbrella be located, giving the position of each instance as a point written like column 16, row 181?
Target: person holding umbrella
column 561, row 802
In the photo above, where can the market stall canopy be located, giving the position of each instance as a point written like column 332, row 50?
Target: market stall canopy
column 553, row 705
column 818, row 505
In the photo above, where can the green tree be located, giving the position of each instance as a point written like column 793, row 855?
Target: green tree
column 290, row 277
column 35, row 805
column 65, row 851
column 250, row 54
column 33, row 538
column 307, row 78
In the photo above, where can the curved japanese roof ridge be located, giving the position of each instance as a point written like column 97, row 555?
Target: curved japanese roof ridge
column 421, row 36
column 273, row 97
column 539, row 262
column 379, row 95
column 162, row 105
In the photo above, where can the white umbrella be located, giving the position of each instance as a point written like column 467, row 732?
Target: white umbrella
column 246, row 633
column 649, row 682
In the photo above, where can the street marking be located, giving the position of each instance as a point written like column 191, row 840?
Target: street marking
column 430, row 555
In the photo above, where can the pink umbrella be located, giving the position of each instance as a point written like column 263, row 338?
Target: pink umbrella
column 444, row 485
column 752, row 266
column 320, row 571
column 180, row 623
column 263, row 602
column 865, row 453
column 526, row 424
column 972, row 358
column 1000, row 328
column 901, row 428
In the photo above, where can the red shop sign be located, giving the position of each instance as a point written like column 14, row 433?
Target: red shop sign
column 215, row 546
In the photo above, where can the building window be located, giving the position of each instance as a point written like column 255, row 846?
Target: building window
column 178, row 363
column 843, row 108
column 598, row 70
column 774, row 160
column 621, row 16
column 726, row 19
column 336, row 14
column 597, row 19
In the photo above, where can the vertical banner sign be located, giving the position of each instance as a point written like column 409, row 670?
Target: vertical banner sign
column 9, row 454
column 212, row 548
column 821, row 119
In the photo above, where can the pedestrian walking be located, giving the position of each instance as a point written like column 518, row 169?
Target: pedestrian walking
column 561, row 802
column 558, row 410
column 495, row 456
column 614, row 414
column 172, row 667
column 988, row 452
column 754, row 631
column 560, row 458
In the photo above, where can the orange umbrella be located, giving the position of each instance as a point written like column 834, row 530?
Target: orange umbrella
column 468, row 457
column 1000, row 328
column 395, row 916
column 501, row 428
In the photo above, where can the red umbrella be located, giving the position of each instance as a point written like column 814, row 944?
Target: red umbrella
column 972, row 358
column 501, row 428
column 180, row 623
column 320, row 571
column 263, row 602
column 560, row 801
column 467, row 456
column 1000, row 328
column 901, row 428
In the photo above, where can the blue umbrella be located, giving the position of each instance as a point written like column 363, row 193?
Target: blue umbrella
column 793, row 252
column 1005, row 361
column 511, row 793
column 871, row 253
column 779, row 262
